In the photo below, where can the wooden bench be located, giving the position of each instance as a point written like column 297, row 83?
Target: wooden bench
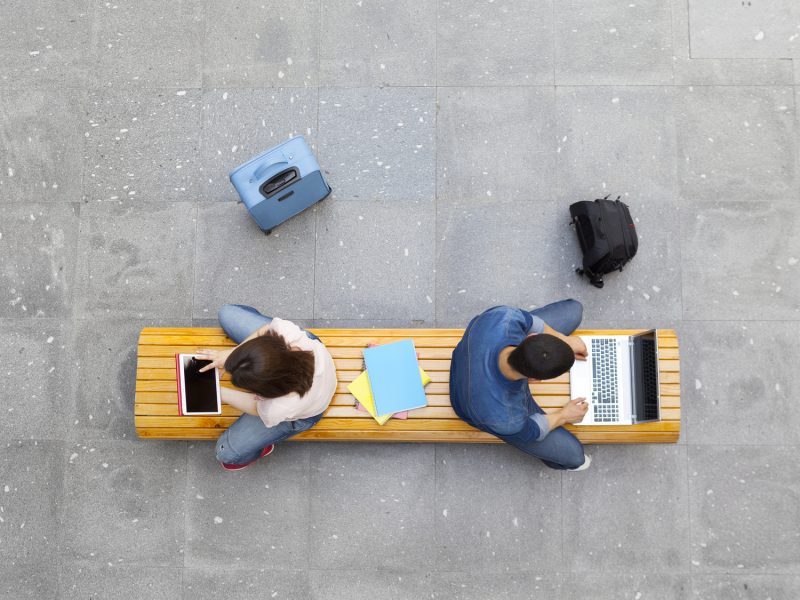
column 156, row 409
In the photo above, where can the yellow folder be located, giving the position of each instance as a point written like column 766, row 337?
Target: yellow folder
column 360, row 388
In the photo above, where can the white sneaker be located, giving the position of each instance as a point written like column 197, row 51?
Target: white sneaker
column 586, row 463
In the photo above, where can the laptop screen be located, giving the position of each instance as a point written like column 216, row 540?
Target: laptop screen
column 645, row 377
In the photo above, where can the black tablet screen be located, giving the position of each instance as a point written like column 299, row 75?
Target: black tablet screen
column 201, row 388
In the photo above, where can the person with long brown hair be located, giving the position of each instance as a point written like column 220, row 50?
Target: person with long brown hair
column 289, row 376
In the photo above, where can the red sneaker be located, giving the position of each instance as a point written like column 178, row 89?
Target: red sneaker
column 265, row 452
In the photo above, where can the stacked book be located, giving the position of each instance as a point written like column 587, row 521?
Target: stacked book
column 393, row 382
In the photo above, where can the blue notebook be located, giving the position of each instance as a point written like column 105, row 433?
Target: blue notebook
column 394, row 377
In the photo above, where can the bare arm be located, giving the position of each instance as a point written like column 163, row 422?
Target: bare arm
column 218, row 357
column 576, row 343
column 242, row 400
column 258, row 332
column 572, row 412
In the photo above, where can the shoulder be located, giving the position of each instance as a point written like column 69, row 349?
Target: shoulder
column 288, row 331
column 500, row 319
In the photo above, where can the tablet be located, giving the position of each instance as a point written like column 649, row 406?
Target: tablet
column 198, row 393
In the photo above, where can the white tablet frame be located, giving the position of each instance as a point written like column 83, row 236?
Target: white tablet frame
column 179, row 366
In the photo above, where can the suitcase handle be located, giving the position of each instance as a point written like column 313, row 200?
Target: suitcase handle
column 269, row 168
column 278, row 182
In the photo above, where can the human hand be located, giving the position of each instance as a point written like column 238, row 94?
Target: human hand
column 578, row 347
column 217, row 358
column 574, row 410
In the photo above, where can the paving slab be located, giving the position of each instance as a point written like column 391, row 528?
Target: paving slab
column 18, row 582
column 45, row 43
column 35, row 353
column 740, row 261
column 250, row 519
column 135, row 259
column 257, row 43
column 240, row 124
column 509, row 43
column 119, row 582
column 611, row 43
column 378, row 143
column 624, row 586
column 209, row 583
column 489, row 254
column 498, row 510
column 524, row 585
column 43, row 240
column 32, row 473
column 237, row 264
column 123, row 503
column 690, row 70
column 628, row 512
column 374, row 260
column 480, row 156
column 142, row 145
column 736, row 143
column 104, row 376
column 620, row 142
column 377, row 43
column 350, row 584
column 743, row 507
column 743, row 380
column 146, row 43
column 731, row 586
column 744, row 30
column 386, row 521
column 616, row 140
column 41, row 138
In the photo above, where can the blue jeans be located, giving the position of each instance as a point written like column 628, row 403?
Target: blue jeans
column 243, row 441
column 559, row 449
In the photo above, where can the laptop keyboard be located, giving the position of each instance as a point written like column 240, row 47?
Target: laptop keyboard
column 650, row 375
column 605, row 390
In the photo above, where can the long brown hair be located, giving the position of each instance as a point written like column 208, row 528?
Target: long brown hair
column 267, row 366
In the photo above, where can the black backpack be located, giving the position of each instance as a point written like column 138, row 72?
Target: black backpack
column 607, row 236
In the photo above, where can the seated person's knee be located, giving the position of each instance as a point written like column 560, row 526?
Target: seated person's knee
column 575, row 458
column 577, row 309
column 225, row 312
column 223, row 452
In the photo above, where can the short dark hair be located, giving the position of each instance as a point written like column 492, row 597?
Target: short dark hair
column 267, row 366
column 542, row 356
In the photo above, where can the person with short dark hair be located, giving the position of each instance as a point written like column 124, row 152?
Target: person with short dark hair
column 503, row 349
column 289, row 376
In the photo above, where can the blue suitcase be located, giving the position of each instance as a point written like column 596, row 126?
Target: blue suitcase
column 280, row 183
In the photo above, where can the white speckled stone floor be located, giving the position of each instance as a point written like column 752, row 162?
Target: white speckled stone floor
column 455, row 134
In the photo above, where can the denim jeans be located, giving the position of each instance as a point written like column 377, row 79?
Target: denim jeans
column 559, row 449
column 243, row 441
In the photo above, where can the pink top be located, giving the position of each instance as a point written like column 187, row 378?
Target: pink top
column 293, row 406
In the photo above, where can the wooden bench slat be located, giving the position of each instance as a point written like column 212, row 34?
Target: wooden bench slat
column 667, row 364
column 398, row 333
column 345, row 352
column 336, row 352
column 156, row 368
column 556, row 401
column 156, row 331
column 350, row 412
column 454, row 437
column 339, row 424
column 669, row 405
column 330, row 342
column 432, row 389
column 666, row 337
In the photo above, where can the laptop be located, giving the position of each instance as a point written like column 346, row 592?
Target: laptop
column 619, row 379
